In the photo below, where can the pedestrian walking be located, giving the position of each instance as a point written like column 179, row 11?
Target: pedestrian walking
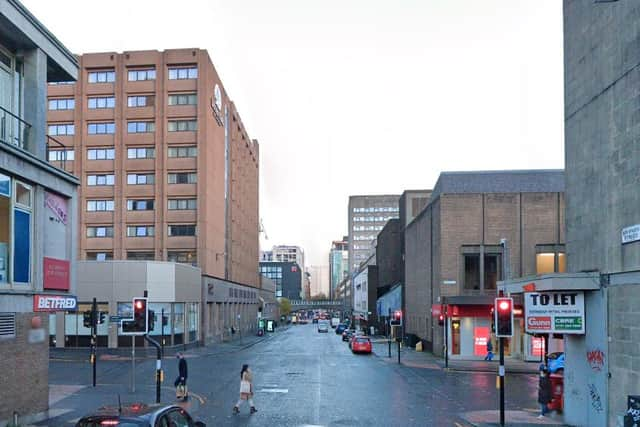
column 489, row 355
column 544, row 391
column 246, row 390
column 181, row 381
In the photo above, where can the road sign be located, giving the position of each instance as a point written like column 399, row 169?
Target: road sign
column 115, row 319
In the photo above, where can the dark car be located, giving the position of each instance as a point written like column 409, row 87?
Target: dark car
column 347, row 334
column 340, row 328
column 140, row 415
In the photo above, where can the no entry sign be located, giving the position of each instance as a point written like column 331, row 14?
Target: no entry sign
column 554, row 312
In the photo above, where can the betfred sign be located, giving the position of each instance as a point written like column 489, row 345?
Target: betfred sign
column 53, row 303
column 554, row 312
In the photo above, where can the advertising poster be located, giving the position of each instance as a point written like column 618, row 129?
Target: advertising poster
column 554, row 312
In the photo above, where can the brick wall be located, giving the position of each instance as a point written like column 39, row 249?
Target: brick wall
column 24, row 368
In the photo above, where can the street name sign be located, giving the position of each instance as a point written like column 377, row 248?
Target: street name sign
column 554, row 312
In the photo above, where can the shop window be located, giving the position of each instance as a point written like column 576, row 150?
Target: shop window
column 562, row 262
column 472, row 271
column 178, row 323
column 23, row 195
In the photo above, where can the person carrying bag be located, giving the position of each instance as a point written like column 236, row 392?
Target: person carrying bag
column 246, row 390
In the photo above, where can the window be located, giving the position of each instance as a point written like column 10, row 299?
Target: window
column 99, row 256
column 141, row 153
column 187, row 257
column 100, row 154
column 101, row 128
column 182, row 230
column 140, row 179
column 62, row 104
column 182, row 178
column 99, row 231
column 140, row 127
column 182, row 125
column 102, row 76
column 182, row 151
column 140, row 101
column 140, row 230
column 472, row 271
column 102, row 102
column 100, row 180
column 61, row 129
column 61, row 155
column 141, row 256
column 492, row 270
column 550, row 262
column 140, row 205
column 139, row 75
column 183, row 73
column 99, row 205
column 183, row 99
column 182, row 204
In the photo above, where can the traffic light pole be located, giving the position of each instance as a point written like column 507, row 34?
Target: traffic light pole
column 94, row 337
column 158, row 364
column 162, row 323
column 501, row 373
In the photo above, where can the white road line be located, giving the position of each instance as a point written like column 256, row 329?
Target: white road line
column 274, row 390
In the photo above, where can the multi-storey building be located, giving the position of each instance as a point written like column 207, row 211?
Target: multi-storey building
column 168, row 170
column 454, row 255
column 366, row 216
column 338, row 263
column 287, row 277
column 319, row 280
column 285, row 253
column 38, row 212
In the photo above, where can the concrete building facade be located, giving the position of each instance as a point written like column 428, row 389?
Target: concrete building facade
column 168, row 170
column 454, row 257
column 366, row 217
column 38, row 213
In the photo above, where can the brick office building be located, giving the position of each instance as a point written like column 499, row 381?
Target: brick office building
column 453, row 254
column 168, row 170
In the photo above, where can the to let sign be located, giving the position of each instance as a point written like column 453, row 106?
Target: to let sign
column 56, row 274
column 554, row 312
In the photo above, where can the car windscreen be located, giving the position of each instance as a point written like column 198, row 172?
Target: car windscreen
column 362, row 340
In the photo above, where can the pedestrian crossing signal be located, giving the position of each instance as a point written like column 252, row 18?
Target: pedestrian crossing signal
column 503, row 311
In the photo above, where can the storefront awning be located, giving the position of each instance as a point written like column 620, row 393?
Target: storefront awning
column 552, row 282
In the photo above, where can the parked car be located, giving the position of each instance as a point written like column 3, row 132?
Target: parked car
column 361, row 344
column 347, row 334
column 555, row 362
column 340, row 328
column 323, row 326
column 140, row 415
column 314, row 320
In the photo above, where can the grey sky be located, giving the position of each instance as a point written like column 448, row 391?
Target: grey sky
column 357, row 96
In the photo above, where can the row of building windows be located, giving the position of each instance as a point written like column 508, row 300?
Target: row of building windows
column 137, row 205
column 142, row 179
column 106, row 102
column 185, row 257
column 365, row 237
column 109, row 76
column 367, row 227
column 109, row 128
column 373, row 218
column 142, row 230
column 132, row 153
column 377, row 209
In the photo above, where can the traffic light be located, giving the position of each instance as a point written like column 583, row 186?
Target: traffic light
column 441, row 320
column 504, row 317
column 152, row 320
column 101, row 316
column 140, row 315
column 396, row 319
column 87, row 319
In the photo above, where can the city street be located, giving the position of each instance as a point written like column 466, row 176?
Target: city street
column 301, row 378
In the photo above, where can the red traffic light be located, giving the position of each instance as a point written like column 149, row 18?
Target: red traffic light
column 504, row 305
column 397, row 314
column 139, row 304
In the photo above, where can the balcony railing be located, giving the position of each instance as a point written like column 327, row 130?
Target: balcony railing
column 14, row 130
column 53, row 145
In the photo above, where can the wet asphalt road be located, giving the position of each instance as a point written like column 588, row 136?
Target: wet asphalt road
column 301, row 378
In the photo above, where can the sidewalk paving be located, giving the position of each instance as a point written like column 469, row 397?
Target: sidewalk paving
column 513, row 419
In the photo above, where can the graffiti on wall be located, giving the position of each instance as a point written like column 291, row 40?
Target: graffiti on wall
column 596, row 358
column 596, row 402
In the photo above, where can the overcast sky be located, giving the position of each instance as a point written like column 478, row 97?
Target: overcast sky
column 357, row 96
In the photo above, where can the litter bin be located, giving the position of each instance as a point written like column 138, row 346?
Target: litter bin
column 557, row 390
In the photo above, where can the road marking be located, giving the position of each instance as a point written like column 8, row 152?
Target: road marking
column 274, row 390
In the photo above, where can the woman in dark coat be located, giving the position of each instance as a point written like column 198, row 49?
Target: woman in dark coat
column 544, row 391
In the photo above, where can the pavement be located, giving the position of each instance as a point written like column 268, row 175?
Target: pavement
column 301, row 378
